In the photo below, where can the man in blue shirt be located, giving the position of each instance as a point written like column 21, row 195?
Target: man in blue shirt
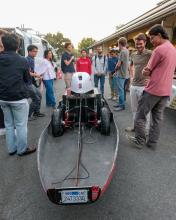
column 34, row 92
column 14, row 76
column 67, row 64
column 112, row 61
column 2, row 126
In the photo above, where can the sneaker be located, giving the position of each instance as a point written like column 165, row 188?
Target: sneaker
column 120, row 108
column 13, row 153
column 116, row 106
column 110, row 98
column 114, row 98
column 135, row 142
column 2, row 131
column 129, row 129
column 38, row 114
column 28, row 151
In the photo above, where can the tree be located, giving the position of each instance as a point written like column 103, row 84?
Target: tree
column 57, row 41
column 85, row 43
column 75, row 53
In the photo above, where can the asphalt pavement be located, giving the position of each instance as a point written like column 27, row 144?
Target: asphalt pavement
column 143, row 186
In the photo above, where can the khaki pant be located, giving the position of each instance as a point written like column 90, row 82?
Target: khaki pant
column 135, row 95
column 67, row 79
column 113, row 91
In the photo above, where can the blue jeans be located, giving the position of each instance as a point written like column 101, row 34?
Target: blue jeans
column 102, row 82
column 50, row 98
column 16, row 116
column 114, row 84
column 120, row 86
column 36, row 97
column 1, row 119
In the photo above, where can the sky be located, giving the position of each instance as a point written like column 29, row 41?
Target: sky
column 75, row 19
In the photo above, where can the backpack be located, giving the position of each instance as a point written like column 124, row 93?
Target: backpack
column 103, row 63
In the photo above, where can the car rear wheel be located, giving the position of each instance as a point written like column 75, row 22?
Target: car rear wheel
column 56, row 123
column 105, row 121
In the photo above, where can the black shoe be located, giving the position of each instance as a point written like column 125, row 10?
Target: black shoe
column 120, row 108
column 130, row 129
column 116, row 106
column 38, row 114
column 135, row 142
column 28, row 151
column 13, row 153
column 32, row 118
column 150, row 146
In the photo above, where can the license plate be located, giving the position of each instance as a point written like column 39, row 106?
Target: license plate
column 74, row 196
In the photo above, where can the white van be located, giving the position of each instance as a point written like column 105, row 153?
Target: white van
column 28, row 37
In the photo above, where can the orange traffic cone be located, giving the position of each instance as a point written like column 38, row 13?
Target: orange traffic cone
column 59, row 74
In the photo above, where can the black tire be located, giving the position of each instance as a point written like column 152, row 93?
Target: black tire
column 99, row 106
column 56, row 123
column 105, row 121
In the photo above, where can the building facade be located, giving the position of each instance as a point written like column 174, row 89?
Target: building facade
column 164, row 13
